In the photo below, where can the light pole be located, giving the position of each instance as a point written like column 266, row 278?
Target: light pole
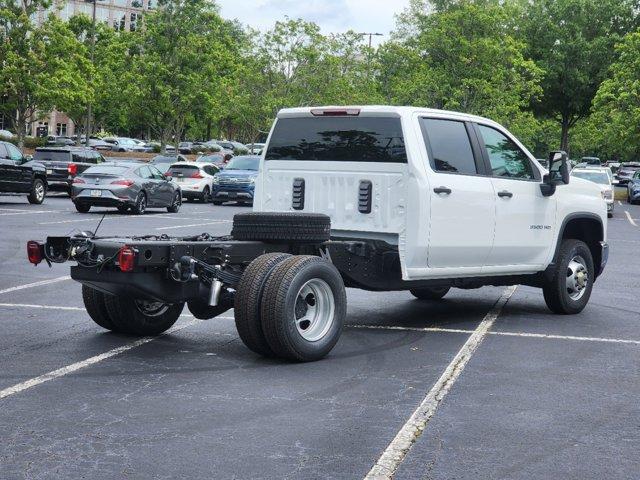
column 371, row 35
column 92, row 49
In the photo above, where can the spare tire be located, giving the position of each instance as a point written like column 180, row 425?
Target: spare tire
column 282, row 227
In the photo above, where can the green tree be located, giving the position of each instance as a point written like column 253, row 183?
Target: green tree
column 462, row 56
column 615, row 122
column 573, row 42
column 41, row 67
column 181, row 58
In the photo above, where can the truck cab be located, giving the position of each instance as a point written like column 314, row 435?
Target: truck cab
column 458, row 195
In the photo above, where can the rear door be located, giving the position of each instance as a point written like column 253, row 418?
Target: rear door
column 525, row 219
column 462, row 213
column 164, row 187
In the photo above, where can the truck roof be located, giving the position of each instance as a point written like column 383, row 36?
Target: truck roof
column 381, row 109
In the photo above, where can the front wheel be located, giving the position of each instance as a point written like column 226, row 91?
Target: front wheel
column 569, row 289
column 303, row 308
column 217, row 202
column 142, row 317
column 38, row 191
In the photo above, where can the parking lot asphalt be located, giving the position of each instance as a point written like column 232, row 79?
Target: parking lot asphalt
column 543, row 396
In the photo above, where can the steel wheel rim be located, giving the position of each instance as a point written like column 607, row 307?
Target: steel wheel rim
column 151, row 309
column 577, row 277
column 142, row 204
column 177, row 201
column 314, row 310
column 39, row 190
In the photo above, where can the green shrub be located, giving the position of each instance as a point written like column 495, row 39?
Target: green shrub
column 240, row 151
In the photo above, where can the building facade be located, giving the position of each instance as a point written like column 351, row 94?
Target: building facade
column 120, row 14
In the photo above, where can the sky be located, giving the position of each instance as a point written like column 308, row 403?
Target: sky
column 333, row 16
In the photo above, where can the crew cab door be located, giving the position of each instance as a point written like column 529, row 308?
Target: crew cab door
column 462, row 212
column 525, row 219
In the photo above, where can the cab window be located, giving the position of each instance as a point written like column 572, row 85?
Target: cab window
column 506, row 158
column 449, row 146
column 14, row 153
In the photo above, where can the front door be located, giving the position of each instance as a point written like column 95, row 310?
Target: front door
column 525, row 219
column 462, row 200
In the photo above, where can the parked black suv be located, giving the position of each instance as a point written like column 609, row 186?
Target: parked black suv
column 63, row 164
column 18, row 174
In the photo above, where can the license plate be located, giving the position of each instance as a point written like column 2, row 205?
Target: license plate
column 96, row 193
column 49, row 171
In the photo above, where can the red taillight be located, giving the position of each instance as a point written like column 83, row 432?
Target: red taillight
column 126, row 183
column 78, row 180
column 335, row 112
column 34, row 252
column 196, row 175
column 126, row 258
column 72, row 168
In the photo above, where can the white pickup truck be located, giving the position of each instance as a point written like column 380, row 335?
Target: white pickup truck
column 378, row 198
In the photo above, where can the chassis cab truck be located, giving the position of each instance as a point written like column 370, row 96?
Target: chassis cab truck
column 377, row 198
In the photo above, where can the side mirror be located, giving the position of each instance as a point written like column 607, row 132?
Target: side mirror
column 559, row 173
column 168, row 178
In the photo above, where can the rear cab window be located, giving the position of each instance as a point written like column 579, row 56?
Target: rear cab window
column 52, row 155
column 449, row 146
column 346, row 139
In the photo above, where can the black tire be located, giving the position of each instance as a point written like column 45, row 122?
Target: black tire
column 557, row 295
column 94, row 302
column 176, row 203
column 247, row 302
column 430, row 293
column 123, row 209
column 217, row 202
column 284, row 302
column 141, row 204
column 140, row 318
column 281, row 227
column 82, row 208
column 206, row 195
column 38, row 192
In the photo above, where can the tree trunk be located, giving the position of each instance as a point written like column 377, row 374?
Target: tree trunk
column 21, row 128
column 564, row 138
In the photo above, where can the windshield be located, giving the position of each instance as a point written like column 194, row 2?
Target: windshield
column 346, row 139
column 105, row 170
column 51, row 155
column 244, row 163
column 596, row 177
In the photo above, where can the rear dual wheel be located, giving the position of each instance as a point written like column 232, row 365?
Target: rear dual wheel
column 128, row 315
column 291, row 307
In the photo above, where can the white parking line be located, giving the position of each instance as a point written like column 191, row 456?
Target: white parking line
column 195, row 225
column 499, row 334
column 43, row 307
column 96, row 218
column 631, row 220
column 29, row 213
column 397, row 450
column 36, row 284
column 619, row 203
column 74, row 367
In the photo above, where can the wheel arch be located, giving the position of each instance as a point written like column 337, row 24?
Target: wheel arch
column 584, row 226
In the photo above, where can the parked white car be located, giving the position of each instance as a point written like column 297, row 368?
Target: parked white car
column 195, row 179
column 604, row 178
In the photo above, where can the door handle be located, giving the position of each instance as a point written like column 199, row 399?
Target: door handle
column 444, row 190
column 505, row 193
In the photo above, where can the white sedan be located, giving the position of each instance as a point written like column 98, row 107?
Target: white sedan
column 195, row 179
